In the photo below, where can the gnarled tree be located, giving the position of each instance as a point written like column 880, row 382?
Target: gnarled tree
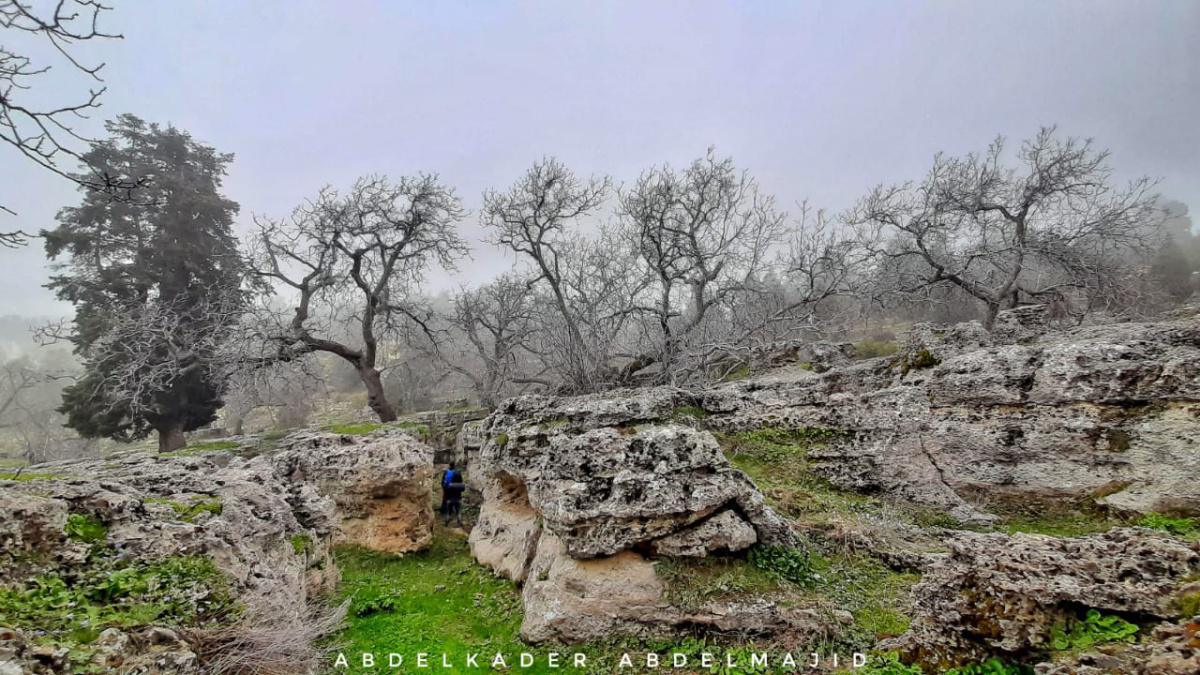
column 1050, row 227
column 355, row 257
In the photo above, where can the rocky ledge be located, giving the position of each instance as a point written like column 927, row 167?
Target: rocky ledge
column 223, row 551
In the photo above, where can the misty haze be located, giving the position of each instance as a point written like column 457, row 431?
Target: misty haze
column 742, row 337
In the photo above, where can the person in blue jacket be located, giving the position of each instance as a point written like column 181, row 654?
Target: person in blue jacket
column 453, row 487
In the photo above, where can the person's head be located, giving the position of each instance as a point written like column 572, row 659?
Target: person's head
column 452, row 467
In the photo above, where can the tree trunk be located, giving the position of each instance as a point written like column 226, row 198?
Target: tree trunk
column 989, row 320
column 171, row 438
column 375, row 396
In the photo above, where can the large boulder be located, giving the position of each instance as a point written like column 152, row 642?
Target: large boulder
column 580, row 495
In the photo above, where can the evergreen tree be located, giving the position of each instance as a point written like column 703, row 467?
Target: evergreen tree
column 156, row 283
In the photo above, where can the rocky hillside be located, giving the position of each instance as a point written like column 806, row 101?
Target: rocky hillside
column 595, row 503
column 1027, row 497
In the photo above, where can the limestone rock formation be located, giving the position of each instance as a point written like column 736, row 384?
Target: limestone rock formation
column 576, row 510
column 997, row 594
column 266, row 523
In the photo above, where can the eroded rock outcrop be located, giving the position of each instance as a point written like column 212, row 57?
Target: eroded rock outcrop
column 576, row 511
column 997, row 594
column 266, row 524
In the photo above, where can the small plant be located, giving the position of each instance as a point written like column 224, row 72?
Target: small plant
column 1095, row 628
column 501, row 439
column 992, row 666
column 918, row 360
column 888, row 663
column 85, row 528
column 301, row 544
column 785, row 562
column 1178, row 526
column 380, row 605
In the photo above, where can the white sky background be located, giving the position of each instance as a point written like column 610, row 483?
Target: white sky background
column 817, row 100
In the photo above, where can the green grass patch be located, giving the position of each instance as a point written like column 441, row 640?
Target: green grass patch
column 211, row 446
column 419, row 428
column 354, row 428
column 438, row 600
column 869, row 349
column 85, row 528
column 1180, row 527
column 876, row 595
column 189, row 511
column 22, row 476
column 692, row 582
column 776, row 460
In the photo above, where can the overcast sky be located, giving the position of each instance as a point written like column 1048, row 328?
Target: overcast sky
column 819, row 100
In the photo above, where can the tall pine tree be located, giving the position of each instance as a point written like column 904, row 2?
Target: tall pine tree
column 155, row 277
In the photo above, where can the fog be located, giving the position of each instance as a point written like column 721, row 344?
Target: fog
column 818, row 100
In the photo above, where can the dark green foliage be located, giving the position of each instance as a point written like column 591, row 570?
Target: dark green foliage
column 1093, row 629
column 71, row 607
column 85, row 528
column 301, row 544
column 153, row 278
column 789, row 564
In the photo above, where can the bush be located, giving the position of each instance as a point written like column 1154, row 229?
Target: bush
column 85, row 528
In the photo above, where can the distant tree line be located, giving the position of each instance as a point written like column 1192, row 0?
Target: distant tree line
column 676, row 277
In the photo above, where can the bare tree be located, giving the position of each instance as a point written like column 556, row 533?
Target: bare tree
column 495, row 322
column 45, row 133
column 532, row 219
column 703, row 234
column 1002, row 234
column 361, row 255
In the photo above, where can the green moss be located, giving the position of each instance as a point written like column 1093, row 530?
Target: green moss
column 301, row 543
column 190, row 510
column 737, row 374
column 354, row 428
column 689, row 411
column 501, row 439
column 70, row 608
column 869, row 349
column 22, row 476
column 86, row 528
